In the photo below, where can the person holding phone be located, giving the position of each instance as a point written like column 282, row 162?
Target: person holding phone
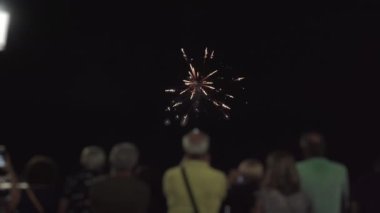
column 9, row 193
column 244, row 184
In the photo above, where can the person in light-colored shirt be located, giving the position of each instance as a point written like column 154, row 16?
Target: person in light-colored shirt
column 281, row 191
column 208, row 185
column 325, row 181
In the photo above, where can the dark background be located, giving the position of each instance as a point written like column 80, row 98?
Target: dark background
column 81, row 72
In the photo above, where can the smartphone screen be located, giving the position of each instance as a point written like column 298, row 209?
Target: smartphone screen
column 2, row 156
column 240, row 180
column 2, row 161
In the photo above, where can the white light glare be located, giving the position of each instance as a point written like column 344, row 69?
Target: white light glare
column 4, row 23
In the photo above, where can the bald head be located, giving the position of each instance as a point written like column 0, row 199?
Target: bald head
column 313, row 144
column 252, row 169
column 196, row 143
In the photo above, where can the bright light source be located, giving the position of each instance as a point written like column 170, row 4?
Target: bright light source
column 4, row 22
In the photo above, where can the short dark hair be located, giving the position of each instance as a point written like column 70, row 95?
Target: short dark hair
column 313, row 143
column 281, row 173
column 376, row 165
column 41, row 170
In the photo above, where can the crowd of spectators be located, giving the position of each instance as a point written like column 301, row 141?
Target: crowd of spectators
column 280, row 185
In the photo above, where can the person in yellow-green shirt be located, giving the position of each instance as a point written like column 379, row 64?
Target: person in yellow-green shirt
column 194, row 186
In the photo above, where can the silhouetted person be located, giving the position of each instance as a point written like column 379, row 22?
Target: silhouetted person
column 153, row 177
column 76, row 198
column 9, row 192
column 121, row 192
column 244, row 184
column 194, row 186
column 325, row 181
column 366, row 192
column 281, row 190
column 42, row 193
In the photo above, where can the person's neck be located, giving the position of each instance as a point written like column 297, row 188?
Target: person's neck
column 198, row 158
column 121, row 174
column 315, row 157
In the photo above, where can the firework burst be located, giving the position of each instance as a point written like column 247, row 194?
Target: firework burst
column 198, row 86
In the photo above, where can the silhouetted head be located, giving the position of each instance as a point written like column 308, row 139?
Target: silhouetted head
column 93, row 158
column 281, row 173
column 124, row 157
column 312, row 144
column 251, row 169
column 196, row 144
column 376, row 165
column 41, row 170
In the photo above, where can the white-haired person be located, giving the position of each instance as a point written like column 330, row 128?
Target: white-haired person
column 75, row 198
column 193, row 185
column 121, row 192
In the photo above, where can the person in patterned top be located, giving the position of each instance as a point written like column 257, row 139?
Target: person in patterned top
column 75, row 194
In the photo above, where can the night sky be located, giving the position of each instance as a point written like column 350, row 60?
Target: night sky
column 93, row 72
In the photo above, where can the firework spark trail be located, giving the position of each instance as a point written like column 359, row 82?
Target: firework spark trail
column 184, row 91
column 198, row 86
column 193, row 72
column 209, row 75
column 210, row 87
column 208, row 82
column 177, row 104
column 184, row 54
column 239, row 79
column 226, row 107
column 204, row 91
column 170, row 90
column 184, row 120
column 205, row 56
column 215, row 103
column 192, row 94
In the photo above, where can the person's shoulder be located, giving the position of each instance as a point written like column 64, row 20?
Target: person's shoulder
column 303, row 195
column 99, row 182
column 172, row 171
column 137, row 180
column 302, row 164
column 97, row 187
column 265, row 193
column 338, row 166
column 140, row 184
column 96, row 180
column 79, row 176
column 73, row 178
column 265, row 190
column 218, row 173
